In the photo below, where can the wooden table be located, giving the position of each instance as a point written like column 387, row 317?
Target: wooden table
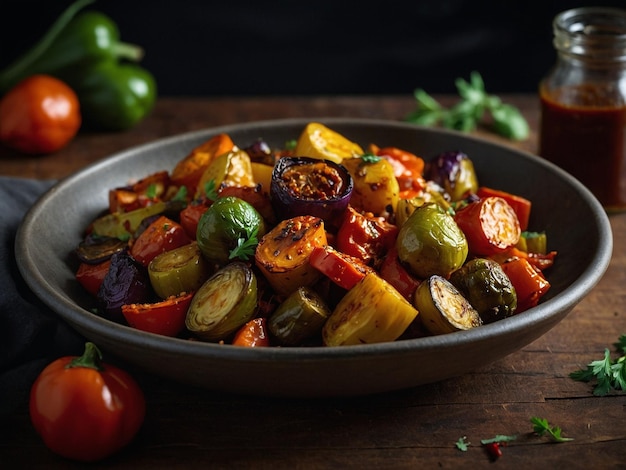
column 418, row 428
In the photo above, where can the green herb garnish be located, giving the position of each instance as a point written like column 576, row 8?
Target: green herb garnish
column 370, row 158
column 541, row 427
column 471, row 109
column 462, row 444
column 608, row 374
column 210, row 190
column 246, row 245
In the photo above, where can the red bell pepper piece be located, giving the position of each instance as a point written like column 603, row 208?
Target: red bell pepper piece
column 392, row 271
column 344, row 270
column 253, row 334
column 163, row 318
column 90, row 276
column 160, row 236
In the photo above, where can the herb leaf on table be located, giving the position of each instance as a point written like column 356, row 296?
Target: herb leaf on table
column 474, row 104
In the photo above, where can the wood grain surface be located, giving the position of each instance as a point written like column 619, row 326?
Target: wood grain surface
column 194, row 428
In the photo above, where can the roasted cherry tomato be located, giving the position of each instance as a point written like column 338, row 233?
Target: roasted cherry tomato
column 40, row 115
column 85, row 409
column 365, row 236
column 490, row 225
column 520, row 205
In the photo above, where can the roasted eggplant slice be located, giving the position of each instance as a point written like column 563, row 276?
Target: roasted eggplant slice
column 95, row 249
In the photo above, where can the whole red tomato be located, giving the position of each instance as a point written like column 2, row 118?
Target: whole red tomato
column 85, row 409
column 40, row 115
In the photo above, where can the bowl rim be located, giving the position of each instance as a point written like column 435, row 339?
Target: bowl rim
column 89, row 322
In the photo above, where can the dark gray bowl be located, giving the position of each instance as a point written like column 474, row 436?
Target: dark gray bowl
column 53, row 227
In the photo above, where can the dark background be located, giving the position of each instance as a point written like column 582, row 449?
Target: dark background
column 260, row 47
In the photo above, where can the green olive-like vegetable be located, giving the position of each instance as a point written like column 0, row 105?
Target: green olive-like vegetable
column 298, row 318
column 225, row 302
column 123, row 224
column 430, row 242
column 443, row 309
column 229, row 224
column 182, row 269
column 483, row 282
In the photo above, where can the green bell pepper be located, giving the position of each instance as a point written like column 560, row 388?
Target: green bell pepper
column 114, row 96
column 83, row 48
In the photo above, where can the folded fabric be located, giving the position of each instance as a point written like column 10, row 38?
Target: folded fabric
column 31, row 335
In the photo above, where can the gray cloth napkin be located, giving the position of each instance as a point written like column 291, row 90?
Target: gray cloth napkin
column 31, row 335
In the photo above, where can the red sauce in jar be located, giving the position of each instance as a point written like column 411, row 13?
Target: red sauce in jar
column 587, row 139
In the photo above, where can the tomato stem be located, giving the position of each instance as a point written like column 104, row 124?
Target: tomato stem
column 91, row 358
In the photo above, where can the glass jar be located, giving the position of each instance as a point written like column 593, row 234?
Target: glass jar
column 583, row 102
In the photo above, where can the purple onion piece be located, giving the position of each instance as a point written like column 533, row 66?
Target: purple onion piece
column 292, row 197
column 454, row 172
column 126, row 282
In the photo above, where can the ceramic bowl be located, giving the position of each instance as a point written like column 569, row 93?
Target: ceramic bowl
column 576, row 224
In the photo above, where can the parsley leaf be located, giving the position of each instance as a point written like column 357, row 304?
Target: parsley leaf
column 246, row 245
column 607, row 373
column 210, row 190
column 497, row 439
column 470, row 110
column 462, row 444
column 370, row 158
column 541, row 426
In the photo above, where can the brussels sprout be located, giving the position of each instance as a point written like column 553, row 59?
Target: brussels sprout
column 226, row 225
column 454, row 172
column 483, row 282
column 430, row 242
column 443, row 309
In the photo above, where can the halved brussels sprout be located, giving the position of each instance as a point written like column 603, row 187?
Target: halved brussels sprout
column 225, row 302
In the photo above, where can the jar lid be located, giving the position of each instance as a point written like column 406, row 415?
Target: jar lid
column 594, row 32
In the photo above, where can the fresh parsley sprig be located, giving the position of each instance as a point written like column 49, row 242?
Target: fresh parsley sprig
column 541, row 427
column 607, row 373
column 246, row 245
column 472, row 108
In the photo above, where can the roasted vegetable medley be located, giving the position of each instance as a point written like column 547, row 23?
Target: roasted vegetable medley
column 317, row 243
